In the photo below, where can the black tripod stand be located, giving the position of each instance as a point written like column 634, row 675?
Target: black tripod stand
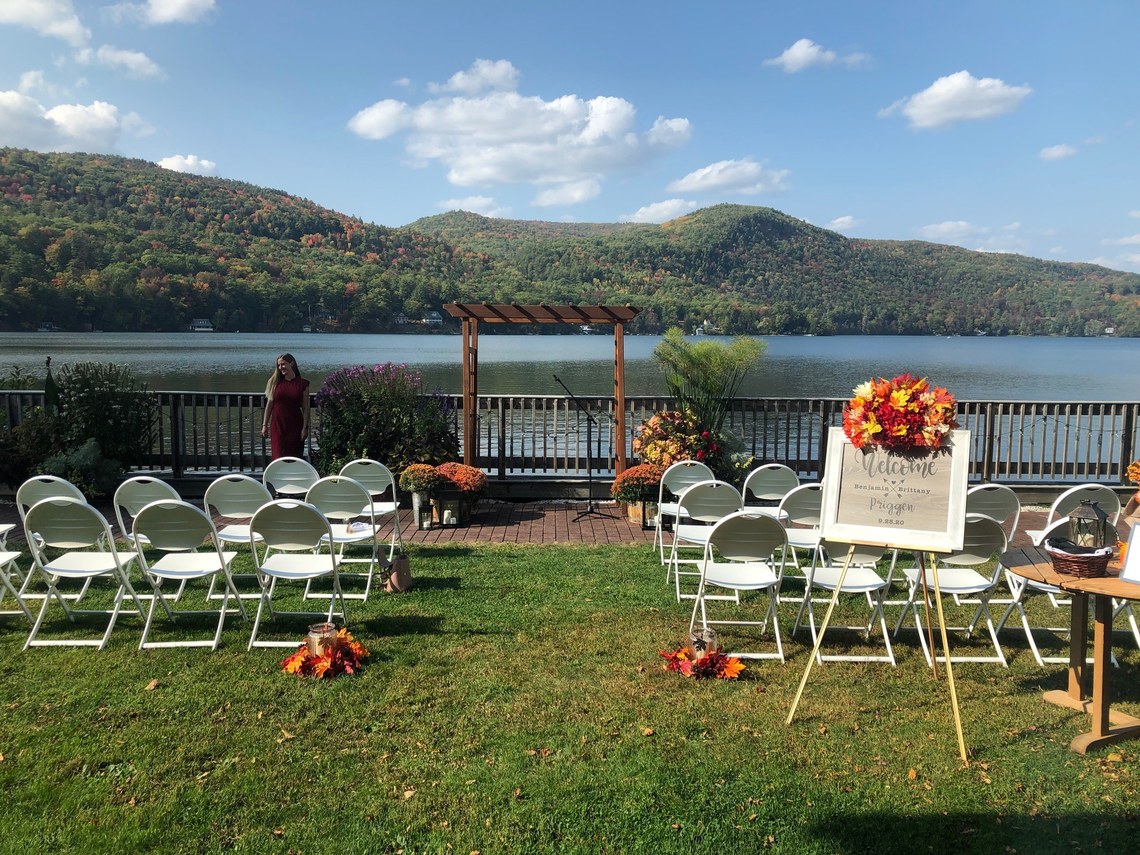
column 590, row 422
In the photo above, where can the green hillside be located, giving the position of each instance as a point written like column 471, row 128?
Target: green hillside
column 100, row 242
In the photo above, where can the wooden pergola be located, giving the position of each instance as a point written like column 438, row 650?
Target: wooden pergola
column 470, row 314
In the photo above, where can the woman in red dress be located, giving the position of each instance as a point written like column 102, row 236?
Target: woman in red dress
column 286, row 420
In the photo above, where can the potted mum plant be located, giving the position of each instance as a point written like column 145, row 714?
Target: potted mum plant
column 463, row 485
column 637, row 488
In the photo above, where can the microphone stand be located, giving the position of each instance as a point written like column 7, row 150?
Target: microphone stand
column 589, row 455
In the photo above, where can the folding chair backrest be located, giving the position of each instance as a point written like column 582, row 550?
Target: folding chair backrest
column 769, row 483
column 136, row 493
column 746, row 536
column 1071, row 499
column 173, row 525
column 40, row 487
column 681, row 475
column 984, row 539
column 289, row 474
column 65, row 523
column 803, row 505
column 374, row 475
column 290, row 526
column 709, row 501
column 235, row 496
column 995, row 501
column 339, row 498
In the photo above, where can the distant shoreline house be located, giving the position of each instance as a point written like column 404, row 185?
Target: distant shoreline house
column 201, row 325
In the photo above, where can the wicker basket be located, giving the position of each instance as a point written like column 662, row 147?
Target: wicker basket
column 1080, row 566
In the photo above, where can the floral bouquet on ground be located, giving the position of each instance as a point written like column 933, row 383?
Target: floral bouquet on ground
column 710, row 665
column 421, row 478
column 471, row 482
column 905, row 414
column 676, row 435
column 639, row 483
column 345, row 656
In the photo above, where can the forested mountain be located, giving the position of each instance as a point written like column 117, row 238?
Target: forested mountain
column 100, row 242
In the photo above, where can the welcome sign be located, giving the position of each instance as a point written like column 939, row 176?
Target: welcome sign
column 902, row 501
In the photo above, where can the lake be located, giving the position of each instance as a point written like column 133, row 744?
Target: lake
column 972, row 368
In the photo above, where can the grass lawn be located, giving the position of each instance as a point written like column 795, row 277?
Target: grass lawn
column 515, row 702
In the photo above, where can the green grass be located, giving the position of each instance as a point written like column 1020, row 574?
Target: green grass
column 515, row 702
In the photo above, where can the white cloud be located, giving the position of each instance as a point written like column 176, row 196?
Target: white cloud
column 484, row 74
column 1129, row 263
column 565, row 147
column 34, row 81
column 732, row 176
column 159, row 12
column 570, row 193
column 958, row 97
column 659, row 212
column 1135, row 213
column 841, row 224
column 950, row 231
column 54, row 18
column 96, row 127
column 134, row 63
column 805, row 53
column 189, row 163
column 484, row 205
column 1131, row 240
column 1058, row 152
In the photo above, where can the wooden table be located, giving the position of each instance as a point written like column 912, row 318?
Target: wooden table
column 1107, row 726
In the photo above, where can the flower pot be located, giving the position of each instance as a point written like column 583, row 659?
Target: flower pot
column 644, row 513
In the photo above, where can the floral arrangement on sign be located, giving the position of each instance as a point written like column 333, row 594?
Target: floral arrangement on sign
column 345, row 656
column 471, row 482
column 675, row 435
column 905, row 414
column 421, row 478
column 710, row 665
column 639, row 483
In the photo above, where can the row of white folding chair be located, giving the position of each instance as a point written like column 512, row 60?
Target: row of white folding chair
column 1105, row 497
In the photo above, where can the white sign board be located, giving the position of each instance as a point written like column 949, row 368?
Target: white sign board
column 900, row 501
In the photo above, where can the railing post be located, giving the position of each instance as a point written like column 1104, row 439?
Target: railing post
column 177, row 437
column 988, row 447
column 1127, row 439
column 502, row 444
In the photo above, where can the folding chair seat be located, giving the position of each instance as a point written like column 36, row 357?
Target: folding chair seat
column 69, row 539
column 293, row 533
column 861, row 579
column 347, row 506
column 745, row 552
column 698, row 508
column 190, row 550
column 958, row 576
column 289, row 477
column 381, row 486
column 676, row 478
column 766, row 486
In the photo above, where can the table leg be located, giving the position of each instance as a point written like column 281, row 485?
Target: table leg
column 1107, row 727
column 1074, row 696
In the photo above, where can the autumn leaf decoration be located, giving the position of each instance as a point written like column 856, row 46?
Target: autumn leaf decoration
column 345, row 657
column 710, row 665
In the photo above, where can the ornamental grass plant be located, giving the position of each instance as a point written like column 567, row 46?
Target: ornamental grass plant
column 516, row 702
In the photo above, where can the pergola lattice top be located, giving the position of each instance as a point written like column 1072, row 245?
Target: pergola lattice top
column 512, row 313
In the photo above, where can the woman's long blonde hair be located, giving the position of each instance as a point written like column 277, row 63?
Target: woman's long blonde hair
column 271, row 384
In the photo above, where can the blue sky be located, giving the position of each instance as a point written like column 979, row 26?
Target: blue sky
column 1004, row 125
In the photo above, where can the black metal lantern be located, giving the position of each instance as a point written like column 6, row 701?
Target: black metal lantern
column 1089, row 526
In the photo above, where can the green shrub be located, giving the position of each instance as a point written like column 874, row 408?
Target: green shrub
column 382, row 413
column 86, row 467
column 27, row 444
column 105, row 402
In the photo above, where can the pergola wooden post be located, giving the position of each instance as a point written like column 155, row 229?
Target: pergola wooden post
column 470, row 314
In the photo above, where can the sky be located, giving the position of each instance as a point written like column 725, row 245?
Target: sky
column 1000, row 125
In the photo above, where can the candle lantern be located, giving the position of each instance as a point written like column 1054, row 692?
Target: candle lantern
column 1089, row 526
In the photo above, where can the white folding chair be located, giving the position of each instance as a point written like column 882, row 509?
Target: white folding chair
column 190, row 550
column 766, row 486
column 340, row 499
column 31, row 491
column 133, row 495
column 69, row 539
column 998, row 502
column 675, row 480
column 745, row 552
column 289, row 477
column 1069, row 500
column 293, row 533
column 11, row 579
column 800, row 511
column 379, row 481
column 984, row 541
column 698, row 508
column 862, row 579
column 233, row 500
column 1022, row 588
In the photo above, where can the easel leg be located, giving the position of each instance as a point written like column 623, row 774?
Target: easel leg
column 949, row 668
column 822, row 630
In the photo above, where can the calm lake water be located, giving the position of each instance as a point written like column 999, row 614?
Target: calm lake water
column 973, row 368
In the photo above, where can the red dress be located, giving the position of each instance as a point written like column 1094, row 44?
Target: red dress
column 286, row 420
